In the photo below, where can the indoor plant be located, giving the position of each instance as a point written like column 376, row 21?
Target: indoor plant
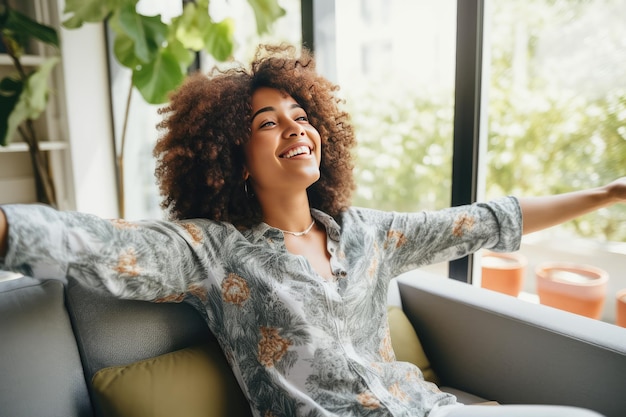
column 24, row 94
column 159, row 54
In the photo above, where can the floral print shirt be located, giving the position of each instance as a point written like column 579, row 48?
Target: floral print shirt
column 299, row 345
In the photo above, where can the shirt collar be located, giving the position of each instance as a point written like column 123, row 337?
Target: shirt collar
column 263, row 230
column 333, row 230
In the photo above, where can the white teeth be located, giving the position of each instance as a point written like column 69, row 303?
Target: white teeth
column 297, row 151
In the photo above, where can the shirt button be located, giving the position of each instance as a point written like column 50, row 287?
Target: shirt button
column 343, row 273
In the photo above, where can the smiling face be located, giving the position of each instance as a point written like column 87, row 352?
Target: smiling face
column 284, row 150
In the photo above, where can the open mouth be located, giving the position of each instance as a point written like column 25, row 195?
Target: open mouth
column 293, row 152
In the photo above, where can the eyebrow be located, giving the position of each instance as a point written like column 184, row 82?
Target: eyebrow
column 270, row 108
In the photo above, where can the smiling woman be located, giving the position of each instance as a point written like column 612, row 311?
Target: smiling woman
column 291, row 280
column 207, row 178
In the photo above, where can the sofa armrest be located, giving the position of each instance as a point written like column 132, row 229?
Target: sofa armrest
column 40, row 368
column 504, row 349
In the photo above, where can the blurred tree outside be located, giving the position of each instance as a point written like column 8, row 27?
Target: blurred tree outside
column 557, row 103
column 556, row 116
column 404, row 152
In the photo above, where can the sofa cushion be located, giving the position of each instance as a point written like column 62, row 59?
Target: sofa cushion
column 192, row 382
column 406, row 344
column 38, row 351
column 112, row 332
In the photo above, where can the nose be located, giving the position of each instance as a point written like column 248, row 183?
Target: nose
column 293, row 129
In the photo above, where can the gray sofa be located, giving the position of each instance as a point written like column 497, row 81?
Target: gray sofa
column 482, row 345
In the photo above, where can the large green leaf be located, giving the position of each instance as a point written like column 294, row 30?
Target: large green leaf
column 183, row 55
column 266, row 12
column 124, row 51
column 220, row 41
column 148, row 33
column 90, row 11
column 191, row 26
column 37, row 87
column 157, row 78
column 123, row 45
column 196, row 31
column 10, row 89
column 33, row 98
column 22, row 27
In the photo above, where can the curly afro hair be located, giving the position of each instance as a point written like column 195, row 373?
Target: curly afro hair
column 200, row 155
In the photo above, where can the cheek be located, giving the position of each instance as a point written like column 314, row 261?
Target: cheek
column 256, row 157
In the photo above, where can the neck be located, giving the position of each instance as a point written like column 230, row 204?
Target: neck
column 287, row 212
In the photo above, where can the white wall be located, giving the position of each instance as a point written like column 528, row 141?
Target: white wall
column 89, row 117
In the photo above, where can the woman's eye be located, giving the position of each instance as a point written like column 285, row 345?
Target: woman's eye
column 302, row 119
column 267, row 124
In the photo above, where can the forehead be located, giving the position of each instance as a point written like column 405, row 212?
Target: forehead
column 265, row 96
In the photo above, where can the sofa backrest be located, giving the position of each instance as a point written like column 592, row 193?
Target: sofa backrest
column 40, row 367
column 112, row 332
column 151, row 359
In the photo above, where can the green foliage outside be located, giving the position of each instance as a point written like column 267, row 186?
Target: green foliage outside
column 404, row 154
column 561, row 146
column 540, row 141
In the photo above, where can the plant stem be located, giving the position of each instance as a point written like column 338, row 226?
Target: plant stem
column 44, row 185
column 120, row 156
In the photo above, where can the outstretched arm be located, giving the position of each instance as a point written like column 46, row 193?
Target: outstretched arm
column 543, row 212
column 148, row 260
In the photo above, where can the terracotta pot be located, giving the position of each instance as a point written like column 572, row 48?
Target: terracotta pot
column 503, row 272
column 576, row 288
column 620, row 308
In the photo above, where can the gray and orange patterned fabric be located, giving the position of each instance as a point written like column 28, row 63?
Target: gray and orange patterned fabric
column 299, row 344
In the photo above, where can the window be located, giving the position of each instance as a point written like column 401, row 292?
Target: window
column 396, row 72
column 547, row 101
column 557, row 122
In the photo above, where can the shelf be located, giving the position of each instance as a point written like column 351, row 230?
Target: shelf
column 44, row 146
column 26, row 60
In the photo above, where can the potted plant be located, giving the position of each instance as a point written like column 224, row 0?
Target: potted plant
column 24, row 93
column 503, row 272
column 576, row 288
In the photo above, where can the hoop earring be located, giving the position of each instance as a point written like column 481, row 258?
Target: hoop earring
column 249, row 194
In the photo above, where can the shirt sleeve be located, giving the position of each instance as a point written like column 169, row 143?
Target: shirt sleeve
column 139, row 260
column 411, row 240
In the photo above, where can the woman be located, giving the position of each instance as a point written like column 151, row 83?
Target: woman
column 255, row 169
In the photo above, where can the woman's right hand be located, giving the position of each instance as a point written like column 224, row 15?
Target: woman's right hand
column 4, row 232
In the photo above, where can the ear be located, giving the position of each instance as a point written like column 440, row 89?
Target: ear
column 246, row 173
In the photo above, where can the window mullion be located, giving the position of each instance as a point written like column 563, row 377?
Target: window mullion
column 467, row 112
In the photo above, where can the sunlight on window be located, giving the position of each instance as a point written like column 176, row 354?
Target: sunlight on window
column 556, row 117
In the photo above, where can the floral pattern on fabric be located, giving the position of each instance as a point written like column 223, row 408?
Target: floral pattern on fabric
column 298, row 344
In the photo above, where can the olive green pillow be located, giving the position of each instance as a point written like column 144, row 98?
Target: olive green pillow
column 406, row 344
column 192, row 382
